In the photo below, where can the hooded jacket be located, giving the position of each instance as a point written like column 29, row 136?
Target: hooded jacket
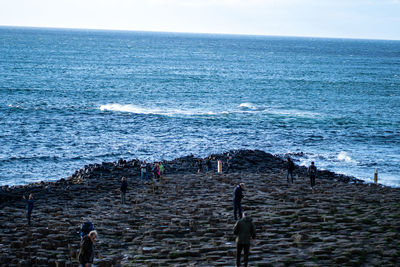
column 244, row 230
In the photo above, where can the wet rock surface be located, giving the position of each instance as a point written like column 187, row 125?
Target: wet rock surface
column 186, row 219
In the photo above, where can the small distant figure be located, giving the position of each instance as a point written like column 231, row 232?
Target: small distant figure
column 86, row 253
column 29, row 207
column 208, row 165
column 290, row 169
column 123, row 189
column 162, row 168
column 229, row 164
column 312, row 172
column 245, row 232
column 237, row 200
column 199, row 166
column 156, row 171
column 143, row 171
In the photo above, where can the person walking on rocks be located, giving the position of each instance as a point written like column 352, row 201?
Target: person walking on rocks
column 143, row 171
column 123, row 189
column 290, row 169
column 237, row 200
column 86, row 253
column 245, row 231
column 312, row 172
column 208, row 164
column 29, row 207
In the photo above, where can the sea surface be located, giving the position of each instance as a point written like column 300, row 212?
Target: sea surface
column 74, row 97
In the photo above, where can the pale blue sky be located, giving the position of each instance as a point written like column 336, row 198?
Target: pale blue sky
column 374, row 19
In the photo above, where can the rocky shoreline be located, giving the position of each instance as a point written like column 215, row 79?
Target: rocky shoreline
column 186, row 219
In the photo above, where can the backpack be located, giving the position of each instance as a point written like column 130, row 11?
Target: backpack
column 86, row 228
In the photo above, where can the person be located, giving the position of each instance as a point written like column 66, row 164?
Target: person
column 244, row 230
column 208, row 164
column 199, row 166
column 161, row 166
column 156, row 171
column 229, row 164
column 290, row 169
column 86, row 253
column 143, row 171
column 312, row 172
column 237, row 200
column 29, row 207
column 124, row 188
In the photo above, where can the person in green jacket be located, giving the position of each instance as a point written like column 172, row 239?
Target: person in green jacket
column 245, row 232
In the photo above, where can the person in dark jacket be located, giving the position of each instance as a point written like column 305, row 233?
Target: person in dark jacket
column 290, row 169
column 124, row 188
column 229, row 165
column 86, row 253
column 237, row 200
column 29, row 207
column 245, row 231
column 312, row 172
column 208, row 165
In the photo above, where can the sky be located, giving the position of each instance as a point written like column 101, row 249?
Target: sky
column 366, row 19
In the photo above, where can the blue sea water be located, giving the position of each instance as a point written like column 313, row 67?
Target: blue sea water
column 75, row 97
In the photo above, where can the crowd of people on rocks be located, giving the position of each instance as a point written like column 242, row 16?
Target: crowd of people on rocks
column 244, row 228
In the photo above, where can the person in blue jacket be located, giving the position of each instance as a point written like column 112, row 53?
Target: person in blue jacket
column 29, row 207
column 237, row 200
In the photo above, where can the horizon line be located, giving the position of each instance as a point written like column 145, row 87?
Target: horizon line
column 199, row 33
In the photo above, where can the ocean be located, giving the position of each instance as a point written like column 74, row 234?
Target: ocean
column 69, row 98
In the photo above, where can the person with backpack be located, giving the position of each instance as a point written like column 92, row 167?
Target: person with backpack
column 29, row 207
column 237, row 200
column 244, row 230
column 86, row 253
column 123, row 189
column 312, row 172
column 290, row 169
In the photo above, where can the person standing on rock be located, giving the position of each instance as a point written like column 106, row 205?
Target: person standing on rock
column 237, row 200
column 86, row 253
column 143, row 171
column 123, row 189
column 312, row 172
column 244, row 230
column 161, row 166
column 29, row 207
column 229, row 164
column 199, row 166
column 290, row 169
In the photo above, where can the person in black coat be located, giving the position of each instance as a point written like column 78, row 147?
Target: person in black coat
column 29, row 207
column 124, row 188
column 86, row 253
column 237, row 200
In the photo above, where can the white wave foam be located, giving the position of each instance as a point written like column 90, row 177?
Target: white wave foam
column 140, row 110
column 343, row 156
column 248, row 106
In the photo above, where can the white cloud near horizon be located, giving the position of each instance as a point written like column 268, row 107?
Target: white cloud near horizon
column 376, row 19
